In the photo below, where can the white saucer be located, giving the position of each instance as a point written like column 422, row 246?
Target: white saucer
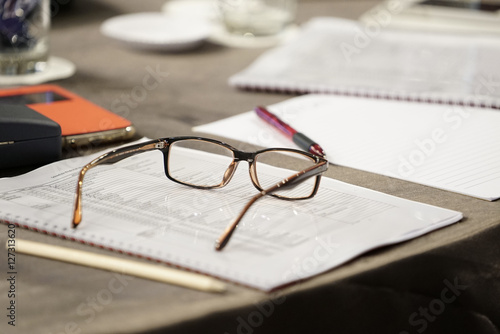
column 56, row 68
column 156, row 31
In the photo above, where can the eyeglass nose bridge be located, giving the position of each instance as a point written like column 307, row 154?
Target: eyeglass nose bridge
column 250, row 158
column 244, row 156
column 237, row 157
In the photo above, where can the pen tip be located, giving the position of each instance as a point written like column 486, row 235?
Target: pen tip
column 317, row 150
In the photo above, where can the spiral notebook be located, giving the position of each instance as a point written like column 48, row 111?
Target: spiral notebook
column 132, row 208
column 439, row 145
column 346, row 57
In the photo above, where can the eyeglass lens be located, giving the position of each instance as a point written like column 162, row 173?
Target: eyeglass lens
column 274, row 166
column 201, row 172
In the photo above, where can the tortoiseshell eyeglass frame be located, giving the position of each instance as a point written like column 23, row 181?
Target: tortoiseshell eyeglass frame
column 163, row 144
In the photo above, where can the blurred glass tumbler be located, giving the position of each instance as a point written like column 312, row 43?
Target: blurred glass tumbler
column 257, row 17
column 24, row 31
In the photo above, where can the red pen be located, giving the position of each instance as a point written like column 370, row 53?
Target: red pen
column 298, row 138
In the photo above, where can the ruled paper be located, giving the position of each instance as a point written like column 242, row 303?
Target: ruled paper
column 450, row 147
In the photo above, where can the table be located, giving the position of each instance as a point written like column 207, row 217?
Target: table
column 445, row 282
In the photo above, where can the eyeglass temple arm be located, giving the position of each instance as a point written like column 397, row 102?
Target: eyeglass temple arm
column 108, row 158
column 291, row 181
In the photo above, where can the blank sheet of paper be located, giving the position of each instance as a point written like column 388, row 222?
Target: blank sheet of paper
column 133, row 208
column 451, row 147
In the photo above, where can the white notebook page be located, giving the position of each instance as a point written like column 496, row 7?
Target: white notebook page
column 132, row 207
column 455, row 148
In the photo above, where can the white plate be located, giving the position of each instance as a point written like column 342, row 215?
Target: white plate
column 156, row 31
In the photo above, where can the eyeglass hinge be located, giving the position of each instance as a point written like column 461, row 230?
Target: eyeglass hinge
column 160, row 145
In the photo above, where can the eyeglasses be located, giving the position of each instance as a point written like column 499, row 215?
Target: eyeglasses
column 280, row 172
